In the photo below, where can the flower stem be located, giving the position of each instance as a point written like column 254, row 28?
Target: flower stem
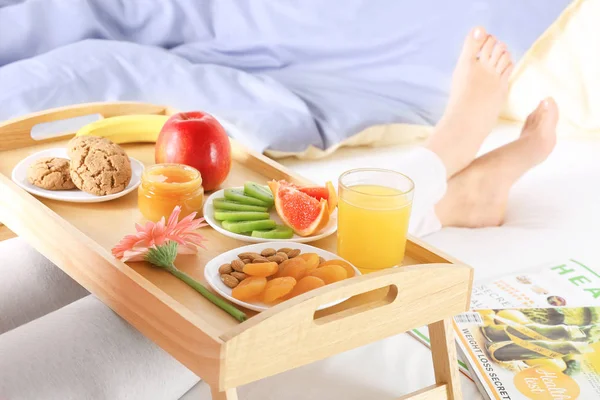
column 219, row 302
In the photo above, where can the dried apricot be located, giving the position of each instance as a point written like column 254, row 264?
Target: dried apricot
column 287, row 263
column 330, row 273
column 312, row 259
column 277, row 288
column 349, row 270
column 310, row 269
column 296, row 270
column 249, row 288
column 306, row 284
column 261, row 269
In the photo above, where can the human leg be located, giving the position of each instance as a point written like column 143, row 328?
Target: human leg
column 31, row 285
column 479, row 89
column 478, row 92
column 477, row 196
column 86, row 351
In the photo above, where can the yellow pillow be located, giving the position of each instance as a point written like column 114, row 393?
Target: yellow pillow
column 374, row 136
column 563, row 63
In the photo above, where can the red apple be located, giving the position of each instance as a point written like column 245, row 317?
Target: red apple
column 196, row 139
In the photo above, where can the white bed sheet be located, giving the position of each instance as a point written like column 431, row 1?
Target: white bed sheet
column 552, row 213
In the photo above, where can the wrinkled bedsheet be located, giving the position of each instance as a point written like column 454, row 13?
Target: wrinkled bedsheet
column 286, row 74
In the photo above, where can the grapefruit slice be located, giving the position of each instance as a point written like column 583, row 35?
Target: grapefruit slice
column 332, row 200
column 318, row 192
column 301, row 212
column 326, row 192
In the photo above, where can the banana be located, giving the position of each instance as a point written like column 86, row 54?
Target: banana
column 126, row 128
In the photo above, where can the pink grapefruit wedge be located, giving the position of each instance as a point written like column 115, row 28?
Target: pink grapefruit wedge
column 326, row 192
column 301, row 212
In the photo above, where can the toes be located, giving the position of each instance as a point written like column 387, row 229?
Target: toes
column 551, row 109
column 498, row 51
column 534, row 117
column 546, row 110
column 488, row 47
column 541, row 127
column 474, row 42
column 504, row 62
column 508, row 71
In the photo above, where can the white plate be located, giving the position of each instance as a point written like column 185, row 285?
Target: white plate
column 211, row 270
column 19, row 176
column 209, row 216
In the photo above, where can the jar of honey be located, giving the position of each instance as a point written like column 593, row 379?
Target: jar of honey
column 165, row 186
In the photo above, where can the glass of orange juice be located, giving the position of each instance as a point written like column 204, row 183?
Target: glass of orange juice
column 373, row 214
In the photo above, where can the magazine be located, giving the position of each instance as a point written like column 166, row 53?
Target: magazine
column 533, row 353
column 563, row 283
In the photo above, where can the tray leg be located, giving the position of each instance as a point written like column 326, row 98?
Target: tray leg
column 443, row 351
column 229, row 394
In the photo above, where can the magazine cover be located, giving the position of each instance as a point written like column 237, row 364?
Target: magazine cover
column 563, row 283
column 533, row 353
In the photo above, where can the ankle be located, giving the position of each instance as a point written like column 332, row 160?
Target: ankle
column 449, row 143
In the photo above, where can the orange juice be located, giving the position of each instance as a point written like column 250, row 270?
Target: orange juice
column 372, row 226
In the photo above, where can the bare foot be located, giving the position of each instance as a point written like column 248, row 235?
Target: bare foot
column 479, row 90
column 477, row 196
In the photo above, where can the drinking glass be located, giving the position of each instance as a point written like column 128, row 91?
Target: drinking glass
column 373, row 214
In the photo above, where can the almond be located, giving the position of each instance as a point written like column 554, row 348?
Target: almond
column 278, row 259
column 240, row 276
column 293, row 253
column 237, row 265
column 225, row 269
column 268, row 252
column 249, row 255
column 282, row 255
column 229, row 281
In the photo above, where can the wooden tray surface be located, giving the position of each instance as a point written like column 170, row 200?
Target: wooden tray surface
column 179, row 319
column 106, row 223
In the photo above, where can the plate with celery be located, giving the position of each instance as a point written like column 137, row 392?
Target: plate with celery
column 278, row 211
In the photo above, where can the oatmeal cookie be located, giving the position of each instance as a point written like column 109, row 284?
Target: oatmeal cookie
column 98, row 166
column 50, row 173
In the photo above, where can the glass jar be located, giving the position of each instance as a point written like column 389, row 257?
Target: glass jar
column 165, row 186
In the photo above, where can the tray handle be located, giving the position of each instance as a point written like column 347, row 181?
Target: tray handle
column 16, row 132
column 292, row 334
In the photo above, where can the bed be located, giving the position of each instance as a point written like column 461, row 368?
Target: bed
column 275, row 98
column 551, row 215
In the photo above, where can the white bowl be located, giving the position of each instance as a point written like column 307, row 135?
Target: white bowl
column 19, row 176
column 212, row 276
column 209, row 216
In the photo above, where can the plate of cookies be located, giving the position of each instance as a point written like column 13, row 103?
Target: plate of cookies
column 90, row 169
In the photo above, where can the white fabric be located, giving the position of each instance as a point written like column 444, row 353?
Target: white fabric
column 81, row 351
column 84, row 351
column 429, row 176
column 30, row 286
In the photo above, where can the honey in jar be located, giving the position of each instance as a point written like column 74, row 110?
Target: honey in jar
column 165, row 186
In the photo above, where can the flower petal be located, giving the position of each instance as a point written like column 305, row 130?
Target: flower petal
column 172, row 223
column 187, row 249
column 134, row 247
column 134, row 255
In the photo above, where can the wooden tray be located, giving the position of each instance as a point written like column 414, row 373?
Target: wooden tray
column 226, row 354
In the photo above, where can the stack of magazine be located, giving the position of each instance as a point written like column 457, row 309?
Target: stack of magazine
column 533, row 335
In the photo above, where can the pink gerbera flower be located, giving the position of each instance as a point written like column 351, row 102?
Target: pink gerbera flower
column 135, row 247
